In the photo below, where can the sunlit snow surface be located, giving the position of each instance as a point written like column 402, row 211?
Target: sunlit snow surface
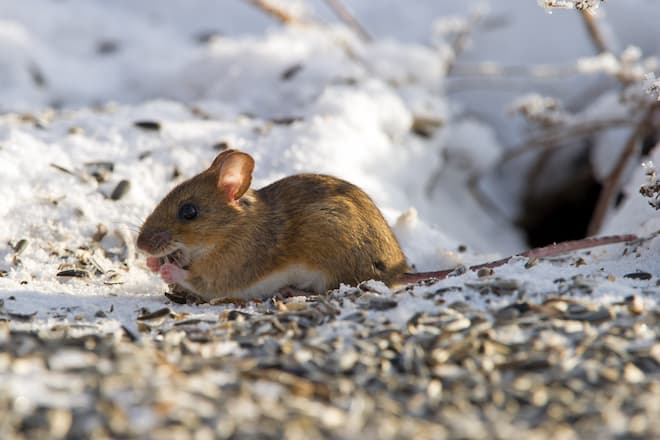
column 347, row 111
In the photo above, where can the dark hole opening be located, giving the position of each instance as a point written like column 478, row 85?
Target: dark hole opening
column 561, row 211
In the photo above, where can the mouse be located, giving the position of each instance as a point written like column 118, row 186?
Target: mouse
column 215, row 237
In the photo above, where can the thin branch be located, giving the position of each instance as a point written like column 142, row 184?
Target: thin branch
column 544, row 143
column 552, row 250
column 535, row 172
column 495, row 70
column 557, row 249
column 460, row 42
column 611, row 183
column 273, row 11
column 285, row 17
column 482, row 199
column 593, row 28
column 348, row 19
column 549, row 139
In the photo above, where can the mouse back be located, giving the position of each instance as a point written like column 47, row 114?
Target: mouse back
column 333, row 225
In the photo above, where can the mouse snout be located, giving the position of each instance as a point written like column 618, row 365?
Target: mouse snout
column 152, row 241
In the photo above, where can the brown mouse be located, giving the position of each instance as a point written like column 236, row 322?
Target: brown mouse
column 217, row 238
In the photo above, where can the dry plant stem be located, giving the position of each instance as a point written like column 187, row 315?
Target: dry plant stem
column 552, row 250
column 611, row 183
column 286, row 18
column 591, row 22
column 535, row 172
column 506, row 71
column 481, row 197
column 273, row 11
column 545, row 142
column 576, row 245
column 462, row 38
column 461, row 84
column 348, row 19
column 558, row 135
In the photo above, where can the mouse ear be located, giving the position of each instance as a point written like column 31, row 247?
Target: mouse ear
column 221, row 158
column 235, row 174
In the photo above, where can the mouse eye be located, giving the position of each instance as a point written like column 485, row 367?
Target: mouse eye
column 188, row 211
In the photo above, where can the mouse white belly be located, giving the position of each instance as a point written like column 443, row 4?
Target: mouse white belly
column 295, row 275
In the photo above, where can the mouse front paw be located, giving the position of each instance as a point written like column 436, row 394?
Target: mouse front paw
column 172, row 274
column 153, row 263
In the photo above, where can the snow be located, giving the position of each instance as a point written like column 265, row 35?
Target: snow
column 635, row 208
column 300, row 98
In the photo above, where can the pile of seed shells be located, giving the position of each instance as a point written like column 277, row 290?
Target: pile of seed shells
column 89, row 259
column 337, row 366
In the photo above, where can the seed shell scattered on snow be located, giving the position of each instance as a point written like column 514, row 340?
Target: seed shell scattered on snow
column 73, row 273
column 268, row 370
column 148, row 125
column 20, row 246
column 121, row 189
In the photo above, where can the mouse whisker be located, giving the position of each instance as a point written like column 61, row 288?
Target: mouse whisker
column 128, row 225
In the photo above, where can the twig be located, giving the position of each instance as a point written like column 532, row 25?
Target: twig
column 552, row 250
column 543, row 142
column 576, row 245
column 593, row 28
column 482, row 199
column 556, row 249
column 348, row 19
column 495, row 70
column 273, row 11
column 611, row 183
column 286, row 18
column 535, row 172
column 463, row 38
column 551, row 138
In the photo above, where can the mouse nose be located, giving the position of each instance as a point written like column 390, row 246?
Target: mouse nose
column 151, row 241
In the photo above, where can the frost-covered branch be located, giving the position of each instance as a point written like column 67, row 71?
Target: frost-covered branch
column 348, row 19
column 549, row 139
column 593, row 28
column 542, row 110
column 457, row 32
column 652, row 86
column 651, row 189
column 629, row 67
column 506, row 71
column 580, row 5
column 611, row 183
column 587, row 9
column 277, row 11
